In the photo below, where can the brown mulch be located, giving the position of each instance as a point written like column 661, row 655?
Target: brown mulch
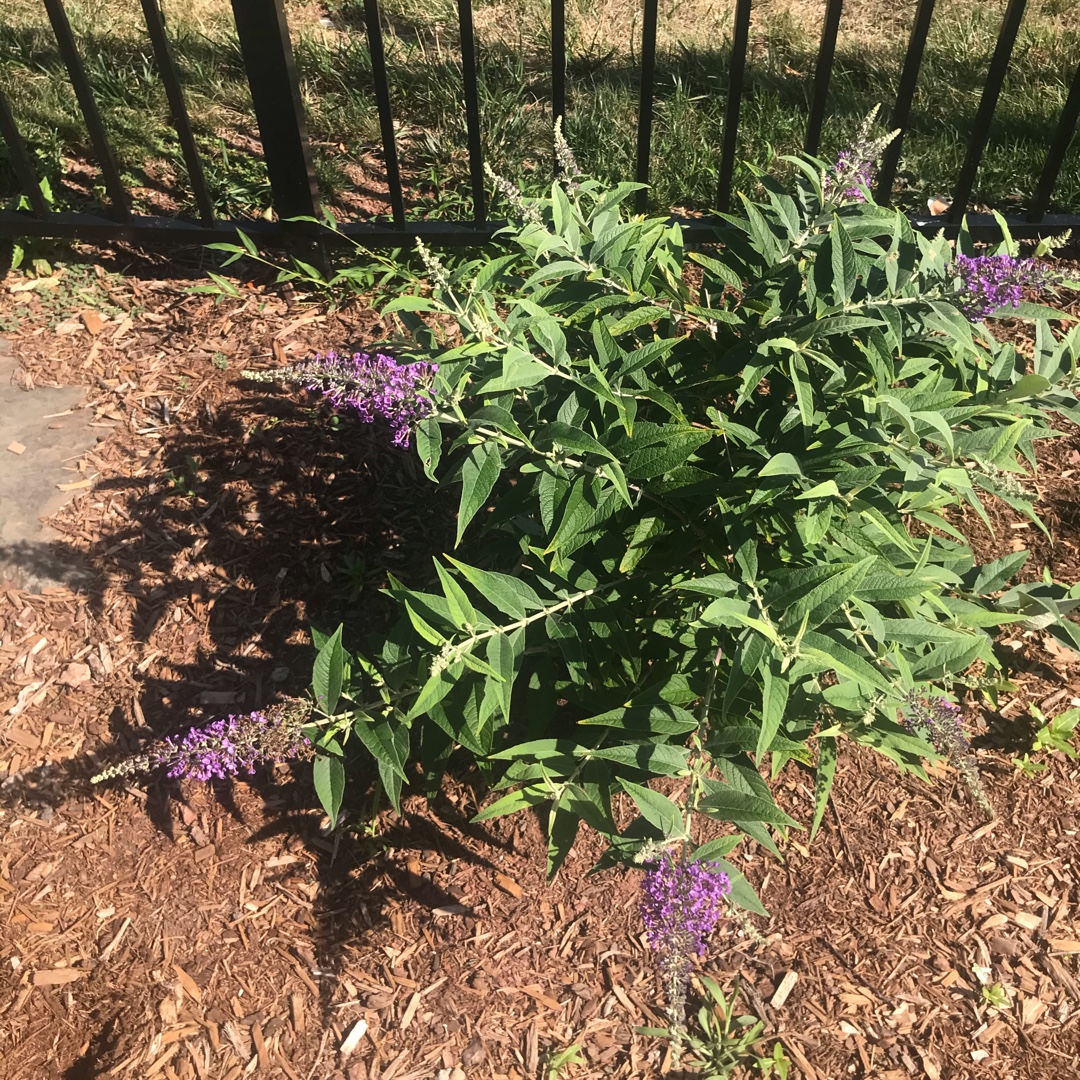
column 211, row 932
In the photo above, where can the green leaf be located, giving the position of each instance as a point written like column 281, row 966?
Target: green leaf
column 781, row 465
column 479, row 472
column 774, row 698
column 329, row 776
column 524, row 799
column 658, row 810
column 656, row 719
column 656, row 460
column 385, row 740
column 461, row 610
column 434, row 690
column 717, row 849
column 504, row 652
column 562, row 831
column 327, row 673
column 656, row 758
column 826, row 774
column 429, row 445
column 742, row 892
column 845, row 265
column 833, row 656
column 822, row 600
column 572, row 438
column 509, row 594
column 737, row 806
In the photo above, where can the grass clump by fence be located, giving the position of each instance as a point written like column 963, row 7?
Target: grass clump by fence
column 603, row 40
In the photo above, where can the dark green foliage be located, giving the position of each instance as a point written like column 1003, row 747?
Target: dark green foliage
column 711, row 523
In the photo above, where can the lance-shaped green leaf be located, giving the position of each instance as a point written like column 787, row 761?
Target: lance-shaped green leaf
column 479, row 472
column 774, row 698
column 659, row 759
column 655, row 808
column 328, row 774
column 515, row 801
column 385, row 739
column 563, row 824
column 660, row 718
column 461, row 609
column 327, row 673
column 823, row 782
column 738, row 807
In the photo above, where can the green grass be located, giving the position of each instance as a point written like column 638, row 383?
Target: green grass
column 514, row 43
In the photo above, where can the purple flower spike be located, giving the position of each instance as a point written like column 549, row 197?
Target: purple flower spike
column 681, row 904
column 853, row 168
column 940, row 723
column 990, row 282
column 225, row 747
column 367, row 385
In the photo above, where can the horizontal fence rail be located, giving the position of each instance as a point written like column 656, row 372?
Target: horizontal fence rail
column 263, row 36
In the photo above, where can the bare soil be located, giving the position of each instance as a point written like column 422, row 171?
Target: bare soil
column 211, row 932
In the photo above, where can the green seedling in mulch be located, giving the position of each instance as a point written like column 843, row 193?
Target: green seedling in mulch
column 1055, row 734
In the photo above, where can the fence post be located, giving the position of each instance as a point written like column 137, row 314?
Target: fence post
column 739, row 44
column 980, row 135
column 1066, row 128
column 275, row 94
column 20, row 159
column 472, row 109
column 558, row 67
column 645, row 106
column 822, row 75
column 110, row 174
column 155, row 25
column 905, row 94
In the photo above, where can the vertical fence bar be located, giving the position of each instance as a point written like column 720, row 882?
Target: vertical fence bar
column 472, row 109
column 905, row 94
column 20, row 160
column 645, row 102
column 386, row 119
column 1066, row 128
column 980, row 135
column 739, row 45
column 155, row 25
column 822, row 75
column 69, row 52
column 275, row 94
column 558, row 65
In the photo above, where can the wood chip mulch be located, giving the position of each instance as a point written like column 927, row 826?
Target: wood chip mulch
column 197, row 932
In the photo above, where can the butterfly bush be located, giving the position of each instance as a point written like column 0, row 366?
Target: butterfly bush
column 368, row 386
column 225, row 747
column 681, row 904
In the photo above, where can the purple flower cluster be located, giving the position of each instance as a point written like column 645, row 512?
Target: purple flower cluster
column 225, row 747
column 939, row 723
column 368, row 385
column 854, row 167
column 989, row 282
column 681, row 904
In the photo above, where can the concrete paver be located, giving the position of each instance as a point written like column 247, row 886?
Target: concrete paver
column 55, row 433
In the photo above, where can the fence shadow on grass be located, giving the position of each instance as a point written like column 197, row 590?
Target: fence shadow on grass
column 425, row 91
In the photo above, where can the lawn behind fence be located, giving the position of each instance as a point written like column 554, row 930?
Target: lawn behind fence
column 603, row 39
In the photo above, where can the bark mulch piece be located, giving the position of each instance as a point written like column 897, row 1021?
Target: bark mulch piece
column 209, row 932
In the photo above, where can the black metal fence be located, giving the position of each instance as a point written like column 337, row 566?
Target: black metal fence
column 268, row 59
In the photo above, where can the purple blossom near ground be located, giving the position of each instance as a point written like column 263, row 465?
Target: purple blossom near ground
column 989, row 282
column 366, row 385
column 226, row 747
column 681, row 904
column 939, row 723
